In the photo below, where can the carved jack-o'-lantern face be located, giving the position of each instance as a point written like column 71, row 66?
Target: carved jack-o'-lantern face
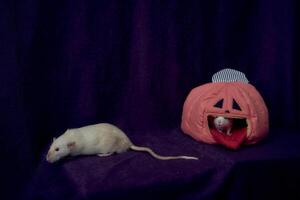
column 238, row 102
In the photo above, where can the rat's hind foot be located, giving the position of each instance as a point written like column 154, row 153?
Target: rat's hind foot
column 229, row 132
column 104, row 154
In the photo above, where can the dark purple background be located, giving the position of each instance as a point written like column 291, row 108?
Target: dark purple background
column 132, row 63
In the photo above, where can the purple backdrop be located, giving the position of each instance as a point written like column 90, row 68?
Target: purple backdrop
column 132, row 63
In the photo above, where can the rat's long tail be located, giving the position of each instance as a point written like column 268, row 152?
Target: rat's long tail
column 138, row 148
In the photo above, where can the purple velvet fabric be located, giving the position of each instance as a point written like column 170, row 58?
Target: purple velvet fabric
column 70, row 63
column 266, row 171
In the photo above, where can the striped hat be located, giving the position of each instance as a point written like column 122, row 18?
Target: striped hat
column 229, row 75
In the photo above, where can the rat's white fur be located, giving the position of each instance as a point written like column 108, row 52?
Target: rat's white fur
column 102, row 139
column 223, row 125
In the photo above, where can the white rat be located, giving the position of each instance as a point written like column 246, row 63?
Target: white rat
column 223, row 125
column 102, row 139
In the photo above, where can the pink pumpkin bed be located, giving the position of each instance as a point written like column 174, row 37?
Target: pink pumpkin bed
column 231, row 96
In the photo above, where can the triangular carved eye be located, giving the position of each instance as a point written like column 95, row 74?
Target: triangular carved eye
column 219, row 104
column 235, row 105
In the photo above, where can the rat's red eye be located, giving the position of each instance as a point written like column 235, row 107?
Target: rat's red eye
column 57, row 149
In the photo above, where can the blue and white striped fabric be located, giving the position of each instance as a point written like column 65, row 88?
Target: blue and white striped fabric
column 229, row 75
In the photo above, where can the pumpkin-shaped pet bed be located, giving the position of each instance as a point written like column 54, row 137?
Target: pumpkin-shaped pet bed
column 231, row 98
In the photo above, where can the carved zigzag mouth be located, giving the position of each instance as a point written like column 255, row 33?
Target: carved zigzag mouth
column 238, row 122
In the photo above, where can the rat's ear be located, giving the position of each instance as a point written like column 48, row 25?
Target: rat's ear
column 71, row 145
column 54, row 139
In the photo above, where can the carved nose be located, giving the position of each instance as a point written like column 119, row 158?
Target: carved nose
column 227, row 111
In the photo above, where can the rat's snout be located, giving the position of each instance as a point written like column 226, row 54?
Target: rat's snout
column 52, row 156
column 218, row 121
column 48, row 157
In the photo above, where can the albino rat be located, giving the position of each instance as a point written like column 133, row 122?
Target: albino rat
column 223, row 125
column 102, row 139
